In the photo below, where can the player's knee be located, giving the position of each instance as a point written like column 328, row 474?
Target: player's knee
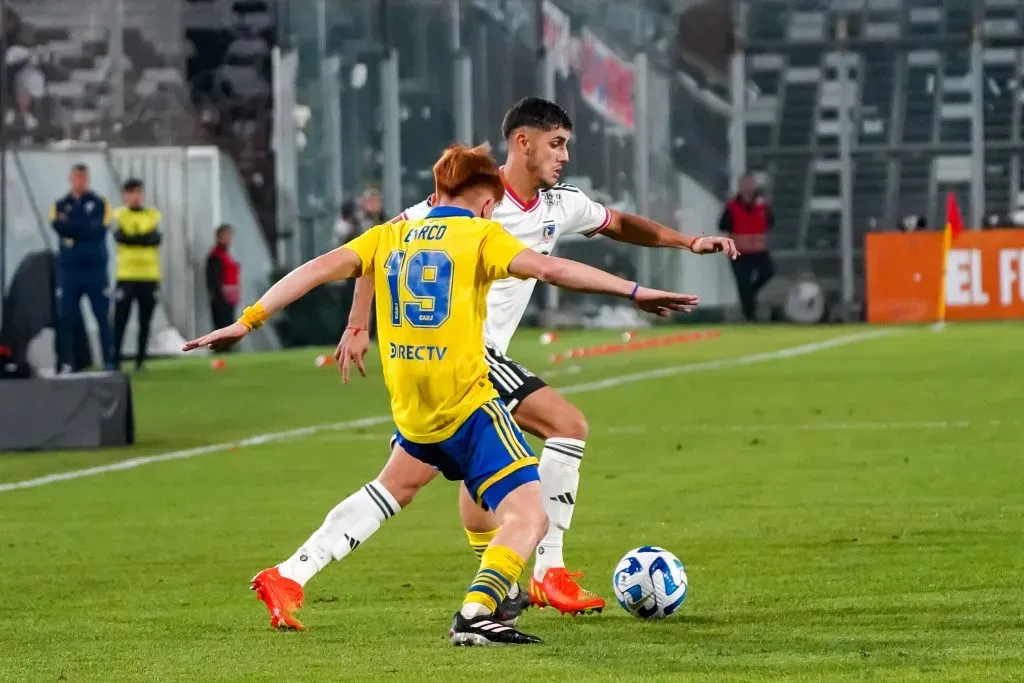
column 529, row 522
column 403, row 476
column 403, row 495
column 474, row 517
column 569, row 424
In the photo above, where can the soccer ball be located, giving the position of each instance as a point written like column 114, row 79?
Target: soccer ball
column 650, row 582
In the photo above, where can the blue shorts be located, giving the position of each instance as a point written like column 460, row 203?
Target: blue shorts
column 488, row 452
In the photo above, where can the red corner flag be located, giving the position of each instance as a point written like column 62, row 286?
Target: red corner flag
column 954, row 227
column 954, row 222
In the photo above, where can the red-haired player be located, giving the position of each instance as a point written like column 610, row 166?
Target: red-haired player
column 433, row 275
column 538, row 211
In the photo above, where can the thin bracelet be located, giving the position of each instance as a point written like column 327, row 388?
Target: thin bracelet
column 636, row 288
column 356, row 330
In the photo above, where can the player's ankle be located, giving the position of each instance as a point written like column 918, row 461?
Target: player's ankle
column 549, row 556
column 472, row 610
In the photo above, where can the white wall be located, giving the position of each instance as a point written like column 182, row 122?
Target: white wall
column 709, row 276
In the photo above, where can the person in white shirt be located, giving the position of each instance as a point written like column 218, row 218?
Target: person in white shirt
column 347, row 225
column 537, row 210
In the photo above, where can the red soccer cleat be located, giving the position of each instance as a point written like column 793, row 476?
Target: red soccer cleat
column 281, row 596
column 560, row 590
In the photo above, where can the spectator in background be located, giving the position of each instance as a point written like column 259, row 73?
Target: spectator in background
column 913, row 223
column 26, row 82
column 347, row 225
column 371, row 209
column 27, row 86
column 223, row 279
column 81, row 218
column 138, row 267
column 353, row 221
column 747, row 218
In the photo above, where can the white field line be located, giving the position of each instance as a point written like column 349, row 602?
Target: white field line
column 608, row 383
column 862, row 426
column 132, row 463
column 720, row 364
column 854, row 426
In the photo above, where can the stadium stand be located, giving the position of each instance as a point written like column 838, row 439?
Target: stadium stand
column 195, row 72
column 228, row 69
column 909, row 67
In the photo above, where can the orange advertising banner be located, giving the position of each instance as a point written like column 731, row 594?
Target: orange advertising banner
column 984, row 276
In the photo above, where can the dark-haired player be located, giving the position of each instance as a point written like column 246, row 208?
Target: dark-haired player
column 433, row 275
column 538, row 211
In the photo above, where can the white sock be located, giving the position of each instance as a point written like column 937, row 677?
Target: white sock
column 350, row 523
column 474, row 609
column 559, row 480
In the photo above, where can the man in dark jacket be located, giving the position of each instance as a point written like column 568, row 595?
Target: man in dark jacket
column 80, row 218
column 223, row 279
column 747, row 218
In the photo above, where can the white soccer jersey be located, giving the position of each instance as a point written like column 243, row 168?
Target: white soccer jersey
column 560, row 210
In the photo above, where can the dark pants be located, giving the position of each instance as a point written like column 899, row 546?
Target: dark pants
column 752, row 272
column 144, row 294
column 72, row 284
column 222, row 313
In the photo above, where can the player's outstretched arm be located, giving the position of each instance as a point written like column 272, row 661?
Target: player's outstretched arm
column 355, row 340
column 340, row 264
column 633, row 229
column 582, row 278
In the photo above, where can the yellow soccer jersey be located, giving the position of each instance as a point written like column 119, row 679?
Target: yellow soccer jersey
column 138, row 262
column 432, row 276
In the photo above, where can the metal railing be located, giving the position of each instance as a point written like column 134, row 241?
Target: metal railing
column 411, row 76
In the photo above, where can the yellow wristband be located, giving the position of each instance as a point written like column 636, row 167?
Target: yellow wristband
column 254, row 316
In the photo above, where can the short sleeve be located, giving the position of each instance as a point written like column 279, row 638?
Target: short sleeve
column 584, row 216
column 497, row 250
column 107, row 213
column 417, row 211
column 365, row 247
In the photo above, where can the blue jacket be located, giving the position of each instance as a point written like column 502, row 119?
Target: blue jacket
column 82, row 226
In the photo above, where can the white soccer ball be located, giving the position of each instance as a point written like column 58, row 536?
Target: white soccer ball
column 650, row 582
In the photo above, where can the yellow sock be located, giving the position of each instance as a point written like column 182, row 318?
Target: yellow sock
column 500, row 568
column 479, row 540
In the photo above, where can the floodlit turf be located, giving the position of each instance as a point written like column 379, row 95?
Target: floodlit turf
column 855, row 513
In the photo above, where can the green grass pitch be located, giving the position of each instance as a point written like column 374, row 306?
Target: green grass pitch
column 855, row 513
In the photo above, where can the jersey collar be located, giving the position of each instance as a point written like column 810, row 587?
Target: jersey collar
column 511, row 194
column 450, row 212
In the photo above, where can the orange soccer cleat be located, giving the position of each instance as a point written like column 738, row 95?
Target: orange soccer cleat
column 281, row 596
column 560, row 590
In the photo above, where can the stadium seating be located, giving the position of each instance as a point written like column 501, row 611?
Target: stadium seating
column 72, row 39
column 195, row 72
column 911, row 91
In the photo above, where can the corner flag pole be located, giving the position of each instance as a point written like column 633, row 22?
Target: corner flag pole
column 954, row 226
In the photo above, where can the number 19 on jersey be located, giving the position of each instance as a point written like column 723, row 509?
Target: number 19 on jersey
column 427, row 276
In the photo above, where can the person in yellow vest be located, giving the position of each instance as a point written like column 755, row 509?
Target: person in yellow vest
column 138, row 266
